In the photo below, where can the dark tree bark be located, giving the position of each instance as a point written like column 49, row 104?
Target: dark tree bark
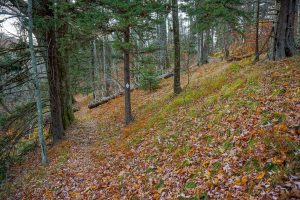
column 284, row 42
column 257, row 33
column 177, row 87
column 128, row 115
column 65, row 92
column 205, row 47
column 57, row 71
column 226, row 39
column 298, row 24
column 54, row 64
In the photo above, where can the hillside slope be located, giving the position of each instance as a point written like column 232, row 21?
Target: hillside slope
column 232, row 133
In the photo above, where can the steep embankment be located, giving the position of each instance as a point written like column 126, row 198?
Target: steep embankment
column 232, row 133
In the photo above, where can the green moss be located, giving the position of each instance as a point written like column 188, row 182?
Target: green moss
column 160, row 184
column 208, row 139
column 247, row 103
column 187, row 162
column 190, row 185
column 215, row 168
column 265, row 118
column 63, row 157
column 251, row 143
column 25, row 146
column 182, row 150
column 235, row 67
column 193, row 112
column 279, row 117
column 230, row 90
column 228, row 144
column 135, row 141
column 272, row 167
column 252, row 165
column 278, row 91
column 208, row 86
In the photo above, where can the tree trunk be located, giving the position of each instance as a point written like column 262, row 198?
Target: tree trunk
column 65, row 91
column 284, row 43
column 128, row 115
column 177, row 87
column 211, row 40
column 298, row 30
column 199, row 48
column 37, row 88
column 164, row 44
column 257, row 33
column 106, row 64
column 205, row 47
column 225, row 42
column 57, row 71
column 53, row 73
column 95, row 71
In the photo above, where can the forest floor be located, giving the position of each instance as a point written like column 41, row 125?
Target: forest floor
column 232, row 133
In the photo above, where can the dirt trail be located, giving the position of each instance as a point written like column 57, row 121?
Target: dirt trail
column 79, row 171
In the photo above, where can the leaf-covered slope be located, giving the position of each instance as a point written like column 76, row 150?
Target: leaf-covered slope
column 232, row 133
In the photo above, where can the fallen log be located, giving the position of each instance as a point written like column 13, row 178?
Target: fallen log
column 165, row 76
column 103, row 100
column 94, row 104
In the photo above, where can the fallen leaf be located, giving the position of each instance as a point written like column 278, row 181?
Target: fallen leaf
column 244, row 180
column 260, row 175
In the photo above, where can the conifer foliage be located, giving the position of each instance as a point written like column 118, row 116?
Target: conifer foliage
column 149, row 99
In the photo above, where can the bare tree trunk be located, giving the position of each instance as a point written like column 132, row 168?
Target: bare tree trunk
column 95, row 71
column 177, row 87
column 128, row 115
column 108, row 74
column 37, row 88
column 257, row 33
column 205, row 49
column 104, row 67
column 170, row 29
column 225, row 42
column 199, row 47
column 163, row 46
column 211, row 40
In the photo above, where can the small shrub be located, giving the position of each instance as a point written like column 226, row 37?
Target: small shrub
column 235, row 67
column 149, row 78
column 3, row 168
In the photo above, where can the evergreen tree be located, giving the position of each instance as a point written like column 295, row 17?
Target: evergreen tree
column 127, row 16
column 50, row 33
